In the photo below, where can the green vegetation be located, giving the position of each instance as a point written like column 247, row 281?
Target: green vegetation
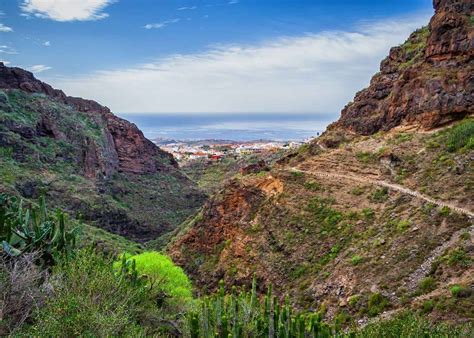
column 427, row 284
column 89, row 300
column 461, row 136
column 89, row 294
column 366, row 157
column 380, row 195
column 376, row 304
column 458, row 257
column 445, row 211
column 166, row 279
column 356, row 260
column 414, row 47
column 33, row 229
column 243, row 315
column 409, row 325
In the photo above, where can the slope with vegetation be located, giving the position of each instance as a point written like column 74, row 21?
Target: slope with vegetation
column 87, row 161
column 375, row 215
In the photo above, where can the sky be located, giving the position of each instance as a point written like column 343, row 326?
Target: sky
column 213, row 56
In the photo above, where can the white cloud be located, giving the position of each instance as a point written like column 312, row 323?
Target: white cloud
column 66, row 10
column 233, row 2
column 187, row 8
column 160, row 24
column 7, row 50
column 38, row 68
column 47, row 43
column 5, row 29
column 317, row 73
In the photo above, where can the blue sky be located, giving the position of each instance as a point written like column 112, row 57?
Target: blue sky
column 208, row 55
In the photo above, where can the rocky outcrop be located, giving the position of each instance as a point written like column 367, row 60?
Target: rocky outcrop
column 87, row 161
column 124, row 147
column 427, row 82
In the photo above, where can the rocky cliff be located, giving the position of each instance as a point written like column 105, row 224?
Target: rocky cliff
column 356, row 224
column 88, row 160
column 125, row 149
column 427, row 82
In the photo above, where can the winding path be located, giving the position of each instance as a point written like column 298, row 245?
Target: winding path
column 388, row 185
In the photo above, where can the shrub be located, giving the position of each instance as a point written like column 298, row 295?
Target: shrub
column 365, row 157
column 380, row 195
column 89, row 299
column 458, row 257
column 403, row 225
column 167, row 281
column 460, row 291
column 428, row 306
column 376, row 304
column 461, row 136
column 427, row 284
column 20, row 295
column 312, row 185
column 368, row 213
column 445, row 211
column 409, row 325
column 356, row 259
column 353, row 300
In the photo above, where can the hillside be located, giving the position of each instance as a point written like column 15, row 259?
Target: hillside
column 88, row 161
column 377, row 214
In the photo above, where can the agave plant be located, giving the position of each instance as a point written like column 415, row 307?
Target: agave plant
column 33, row 229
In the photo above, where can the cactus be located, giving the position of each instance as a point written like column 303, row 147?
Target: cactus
column 241, row 314
column 33, row 229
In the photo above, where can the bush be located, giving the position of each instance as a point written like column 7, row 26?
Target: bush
column 461, row 136
column 427, row 284
column 460, row 291
column 376, row 304
column 458, row 257
column 428, row 306
column 167, row 281
column 403, row 225
column 409, row 325
column 89, row 299
column 356, row 260
column 20, row 294
column 380, row 195
column 445, row 211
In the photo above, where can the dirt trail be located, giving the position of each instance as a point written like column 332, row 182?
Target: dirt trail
column 392, row 186
column 416, row 276
column 423, row 270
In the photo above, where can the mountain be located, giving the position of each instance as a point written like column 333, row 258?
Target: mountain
column 376, row 215
column 88, row 161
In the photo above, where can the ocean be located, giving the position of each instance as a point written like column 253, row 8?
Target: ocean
column 226, row 126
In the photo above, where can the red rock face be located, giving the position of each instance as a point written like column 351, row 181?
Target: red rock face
column 427, row 82
column 125, row 149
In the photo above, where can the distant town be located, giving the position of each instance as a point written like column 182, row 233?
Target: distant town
column 215, row 150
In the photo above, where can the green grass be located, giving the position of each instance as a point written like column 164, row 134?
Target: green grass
column 426, row 285
column 408, row 325
column 461, row 136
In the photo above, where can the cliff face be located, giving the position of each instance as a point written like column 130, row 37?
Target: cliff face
column 124, row 147
column 428, row 81
column 355, row 224
column 88, row 160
